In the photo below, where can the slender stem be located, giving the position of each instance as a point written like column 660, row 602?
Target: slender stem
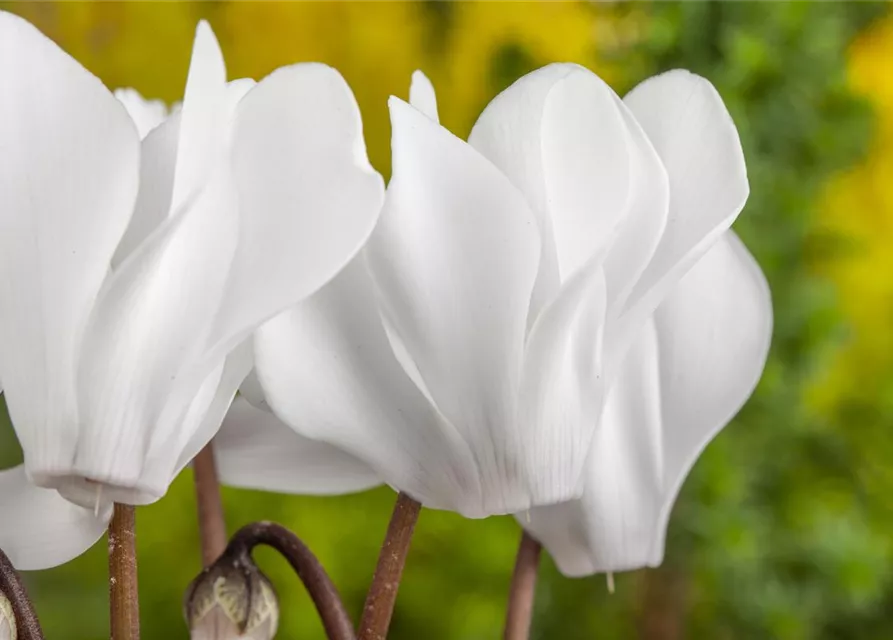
column 317, row 582
column 211, row 524
column 523, row 589
column 124, row 604
column 11, row 586
column 383, row 591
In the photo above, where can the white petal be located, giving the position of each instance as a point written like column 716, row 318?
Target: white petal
column 688, row 124
column 685, row 378
column 611, row 528
column 253, row 392
column 255, row 450
column 422, row 95
column 150, row 325
column 146, row 114
column 587, row 166
column 39, row 528
column 203, row 420
column 509, row 134
column 328, row 371
column 569, row 143
column 454, row 259
column 202, row 118
column 561, row 388
column 158, row 159
column 714, row 333
column 308, row 197
column 68, row 180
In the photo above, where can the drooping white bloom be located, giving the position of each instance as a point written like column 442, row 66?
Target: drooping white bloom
column 131, row 274
column 693, row 362
column 466, row 353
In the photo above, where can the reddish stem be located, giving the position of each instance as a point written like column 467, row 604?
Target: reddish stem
column 382, row 594
column 124, row 601
column 323, row 593
column 523, row 590
column 12, row 588
column 211, row 522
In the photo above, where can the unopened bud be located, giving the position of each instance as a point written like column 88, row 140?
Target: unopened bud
column 7, row 620
column 231, row 600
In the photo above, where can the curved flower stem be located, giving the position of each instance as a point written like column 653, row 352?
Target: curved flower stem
column 325, row 596
column 124, row 603
column 523, row 590
column 383, row 591
column 211, row 523
column 12, row 588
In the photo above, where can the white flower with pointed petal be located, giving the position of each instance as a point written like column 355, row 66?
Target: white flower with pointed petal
column 146, row 114
column 694, row 361
column 120, row 352
column 461, row 355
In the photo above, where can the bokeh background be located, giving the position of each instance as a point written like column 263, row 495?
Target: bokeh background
column 785, row 527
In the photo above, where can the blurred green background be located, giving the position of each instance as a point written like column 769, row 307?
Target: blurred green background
column 785, row 527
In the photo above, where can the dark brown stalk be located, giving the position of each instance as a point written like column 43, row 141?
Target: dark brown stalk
column 11, row 586
column 124, row 603
column 523, row 589
column 386, row 581
column 211, row 523
column 323, row 593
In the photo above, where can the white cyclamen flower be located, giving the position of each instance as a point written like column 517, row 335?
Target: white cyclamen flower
column 693, row 362
column 464, row 355
column 131, row 274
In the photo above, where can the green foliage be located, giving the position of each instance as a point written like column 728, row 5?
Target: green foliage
column 780, row 532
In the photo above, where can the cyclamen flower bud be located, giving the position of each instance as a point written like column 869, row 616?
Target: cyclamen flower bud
column 7, row 620
column 231, row 599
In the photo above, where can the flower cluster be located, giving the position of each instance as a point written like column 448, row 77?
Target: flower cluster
column 550, row 319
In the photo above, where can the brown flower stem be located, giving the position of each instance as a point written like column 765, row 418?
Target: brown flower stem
column 523, row 589
column 383, row 591
column 317, row 582
column 12, row 588
column 211, row 523
column 124, row 604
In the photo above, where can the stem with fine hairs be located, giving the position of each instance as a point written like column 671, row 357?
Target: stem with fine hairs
column 323, row 593
column 12, row 588
column 523, row 589
column 211, row 523
column 124, row 603
column 383, row 591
